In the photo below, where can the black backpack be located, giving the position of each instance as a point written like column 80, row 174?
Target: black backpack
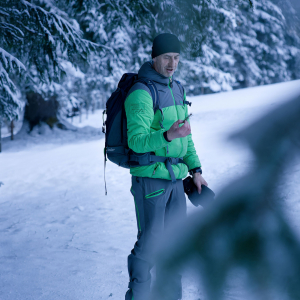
column 115, row 124
column 115, row 129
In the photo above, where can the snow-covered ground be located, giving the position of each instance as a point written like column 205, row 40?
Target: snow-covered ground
column 62, row 238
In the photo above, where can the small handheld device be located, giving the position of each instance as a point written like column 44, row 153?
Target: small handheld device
column 188, row 117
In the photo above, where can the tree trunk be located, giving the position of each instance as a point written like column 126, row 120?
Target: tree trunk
column 12, row 130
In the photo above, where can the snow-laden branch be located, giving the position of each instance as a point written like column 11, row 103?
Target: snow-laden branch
column 10, row 62
column 11, row 27
column 9, row 100
column 52, row 24
column 4, row 78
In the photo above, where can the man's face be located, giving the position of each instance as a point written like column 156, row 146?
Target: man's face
column 166, row 64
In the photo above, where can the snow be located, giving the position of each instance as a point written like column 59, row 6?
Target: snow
column 62, row 238
column 94, row 120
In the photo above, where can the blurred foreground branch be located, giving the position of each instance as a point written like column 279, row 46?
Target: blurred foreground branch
column 241, row 229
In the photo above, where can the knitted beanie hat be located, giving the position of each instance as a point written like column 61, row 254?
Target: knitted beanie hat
column 164, row 43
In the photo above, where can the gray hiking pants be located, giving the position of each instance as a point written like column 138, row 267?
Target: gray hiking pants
column 158, row 203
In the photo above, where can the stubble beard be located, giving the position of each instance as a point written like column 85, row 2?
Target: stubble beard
column 163, row 70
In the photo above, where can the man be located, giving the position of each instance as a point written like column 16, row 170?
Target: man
column 158, row 189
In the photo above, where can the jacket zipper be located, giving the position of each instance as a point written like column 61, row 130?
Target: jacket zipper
column 170, row 83
column 154, row 170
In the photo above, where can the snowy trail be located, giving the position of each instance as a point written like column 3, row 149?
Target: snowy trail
column 61, row 238
column 59, row 228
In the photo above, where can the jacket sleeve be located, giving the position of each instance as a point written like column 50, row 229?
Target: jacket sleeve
column 140, row 115
column 191, row 157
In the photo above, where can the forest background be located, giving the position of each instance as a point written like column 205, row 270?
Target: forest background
column 68, row 55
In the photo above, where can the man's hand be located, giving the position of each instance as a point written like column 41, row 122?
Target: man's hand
column 177, row 132
column 198, row 181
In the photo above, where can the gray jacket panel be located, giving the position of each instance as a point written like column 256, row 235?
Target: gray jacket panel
column 161, row 82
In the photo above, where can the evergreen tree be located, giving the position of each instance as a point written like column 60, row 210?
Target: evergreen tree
column 259, row 46
column 108, row 25
column 229, row 44
column 203, row 23
column 35, row 37
column 225, row 45
column 196, row 23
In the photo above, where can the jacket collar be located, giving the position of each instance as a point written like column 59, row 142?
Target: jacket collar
column 147, row 72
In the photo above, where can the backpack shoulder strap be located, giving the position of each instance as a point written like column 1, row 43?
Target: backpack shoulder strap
column 154, row 93
column 155, row 97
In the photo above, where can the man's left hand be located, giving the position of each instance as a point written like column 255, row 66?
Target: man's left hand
column 198, row 181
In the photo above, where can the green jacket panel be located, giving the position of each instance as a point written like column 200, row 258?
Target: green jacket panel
column 145, row 133
column 139, row 111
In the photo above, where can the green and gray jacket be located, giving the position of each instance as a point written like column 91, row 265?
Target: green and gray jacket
column 144, row 131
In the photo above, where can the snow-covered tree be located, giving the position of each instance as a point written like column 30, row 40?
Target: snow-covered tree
column 200, row 69
column 196, row 23
column 238, row 46
column 9, row 97
column 225, row 45
column 230, row 44
column 259, row 46
column 291, row 12
column 104, row 23
column 34, row 38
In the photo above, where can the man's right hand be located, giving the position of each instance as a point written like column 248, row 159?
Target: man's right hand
column 177, row 132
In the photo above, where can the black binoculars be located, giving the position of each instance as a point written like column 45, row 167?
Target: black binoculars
column 206, row 196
